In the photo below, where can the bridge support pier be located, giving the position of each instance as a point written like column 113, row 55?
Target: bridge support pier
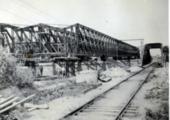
column 70, row 68
column 103, row 58
column 129, row 62
column 104, row 65
column 54, row 68
column 79, row 66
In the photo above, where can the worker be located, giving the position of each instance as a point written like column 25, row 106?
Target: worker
column 165, row 58
column 129, row 60
column 41, row 70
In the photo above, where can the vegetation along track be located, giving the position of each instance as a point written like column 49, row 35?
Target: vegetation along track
column 114, row 103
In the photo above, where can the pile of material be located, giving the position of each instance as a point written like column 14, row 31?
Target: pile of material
column 8, row 106
column 116, row 72
column 134, row 69
column 89, row 76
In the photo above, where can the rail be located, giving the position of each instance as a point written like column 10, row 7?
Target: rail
column 91, row 101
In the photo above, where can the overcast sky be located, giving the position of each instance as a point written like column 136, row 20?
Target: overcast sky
column 122, row 19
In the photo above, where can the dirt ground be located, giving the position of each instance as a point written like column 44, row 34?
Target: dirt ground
column 153, row 98
column 52, row 91
column 49, row 90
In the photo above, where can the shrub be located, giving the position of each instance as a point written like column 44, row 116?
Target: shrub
column 11, row 73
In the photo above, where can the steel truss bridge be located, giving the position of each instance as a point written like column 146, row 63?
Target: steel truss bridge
column 63, row 44
column 75, row 40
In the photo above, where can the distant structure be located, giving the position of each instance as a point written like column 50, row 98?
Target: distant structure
column 147, row 57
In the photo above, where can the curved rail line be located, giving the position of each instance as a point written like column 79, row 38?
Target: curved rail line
column 121, row 112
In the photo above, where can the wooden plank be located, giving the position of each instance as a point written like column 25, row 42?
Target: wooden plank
column 33, row 107
column 15, row 104
column 8, row 103
column 6, row 99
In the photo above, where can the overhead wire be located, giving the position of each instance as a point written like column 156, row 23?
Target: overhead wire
column 22, row 4
column 19, row 6
column 36, row 9
column 26, row 3
column 14, row 14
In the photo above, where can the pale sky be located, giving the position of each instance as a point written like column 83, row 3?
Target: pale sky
column 122, row 19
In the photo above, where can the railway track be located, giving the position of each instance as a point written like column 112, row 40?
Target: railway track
column 115, row 103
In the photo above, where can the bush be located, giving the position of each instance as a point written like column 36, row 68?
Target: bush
column 161, row 114
column 7, row 68
column 24, row 76
column 10, row 73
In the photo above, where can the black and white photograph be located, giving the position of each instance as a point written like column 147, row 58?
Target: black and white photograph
column 84, row 60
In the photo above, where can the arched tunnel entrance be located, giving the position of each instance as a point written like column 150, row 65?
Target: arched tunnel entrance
column 147, row 55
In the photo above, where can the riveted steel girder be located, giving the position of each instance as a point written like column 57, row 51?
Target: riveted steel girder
column 75, row 40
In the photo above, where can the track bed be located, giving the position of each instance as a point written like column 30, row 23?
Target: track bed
column 115, row 103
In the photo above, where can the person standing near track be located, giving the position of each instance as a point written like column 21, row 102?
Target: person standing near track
column 165, row 51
